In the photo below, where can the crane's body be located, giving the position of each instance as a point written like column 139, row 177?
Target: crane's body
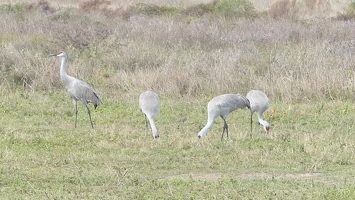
column 259, row 103
column 149, row 104
column 222, row 106
column 77, row 89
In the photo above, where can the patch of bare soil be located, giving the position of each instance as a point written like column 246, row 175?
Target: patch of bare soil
column 250, row 176
column 202, row 176
column 263, row 175
column 316, row 177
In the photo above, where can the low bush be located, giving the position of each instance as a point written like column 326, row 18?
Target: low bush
column 235, row 8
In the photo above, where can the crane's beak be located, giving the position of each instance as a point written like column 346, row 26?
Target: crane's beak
column 52, row 55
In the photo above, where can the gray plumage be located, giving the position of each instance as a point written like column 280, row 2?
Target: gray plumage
column 259, row 103
column 78, row 90
column 222, row 106
column 149, row 104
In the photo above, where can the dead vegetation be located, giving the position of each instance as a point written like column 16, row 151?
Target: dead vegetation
column 190, row 53
column 304, row 9
column 94, row 5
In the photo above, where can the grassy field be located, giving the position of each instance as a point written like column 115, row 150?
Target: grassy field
column 188, row 56
column 308, row 155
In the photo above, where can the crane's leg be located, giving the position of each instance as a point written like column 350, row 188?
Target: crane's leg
column 87, row 108
column 251, row 125
column 225, row 128
column 146, row 124
column 259, row 127
column 76, row 112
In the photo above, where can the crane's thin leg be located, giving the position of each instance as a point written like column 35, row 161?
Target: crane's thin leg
column 225, row 128
column 87, row 107
column 76, row 112
column 146, row 124
column 251, row 125
column 259, row 128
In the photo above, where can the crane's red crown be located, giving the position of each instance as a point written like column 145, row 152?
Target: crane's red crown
column 60, row 53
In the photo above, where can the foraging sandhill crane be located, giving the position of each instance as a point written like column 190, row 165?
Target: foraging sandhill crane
column 78, row 90
column 259, row 102
column 223, row 105
column 149, row 104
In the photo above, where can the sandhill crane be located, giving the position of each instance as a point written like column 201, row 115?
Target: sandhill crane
column 259, row 102
column 223, row 105
column 78, row 90
column 149, row 104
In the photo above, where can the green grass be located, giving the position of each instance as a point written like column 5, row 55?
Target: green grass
column 309, row 153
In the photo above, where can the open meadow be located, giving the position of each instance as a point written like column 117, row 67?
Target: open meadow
column 187, row 55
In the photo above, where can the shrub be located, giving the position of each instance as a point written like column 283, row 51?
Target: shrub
column 145, row 9
column 13, row 8
column 351, row 8
column 94, row 5
column 235, row 8
column 283, row 9
column 199, row 9
column 150, row 9
column 17, row 9
column 41, row 5
column 350, row 13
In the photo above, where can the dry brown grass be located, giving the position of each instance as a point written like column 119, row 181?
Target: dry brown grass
column 94, row 5
column 304, row 9
column 290, row 60
column 282, row 9
column 114, row 4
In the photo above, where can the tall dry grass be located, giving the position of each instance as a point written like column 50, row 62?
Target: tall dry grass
column 178, row 55
column 306, row 9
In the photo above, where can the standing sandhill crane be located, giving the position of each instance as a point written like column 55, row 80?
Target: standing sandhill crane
column 223, row 105
column 78, row 90
column 149, row 104
column 259, row 102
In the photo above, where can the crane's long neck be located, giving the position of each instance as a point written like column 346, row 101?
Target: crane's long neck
column 154, row 128
column 260, row 119
column 263, row 122
column 63, row 70
column 205, row 129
